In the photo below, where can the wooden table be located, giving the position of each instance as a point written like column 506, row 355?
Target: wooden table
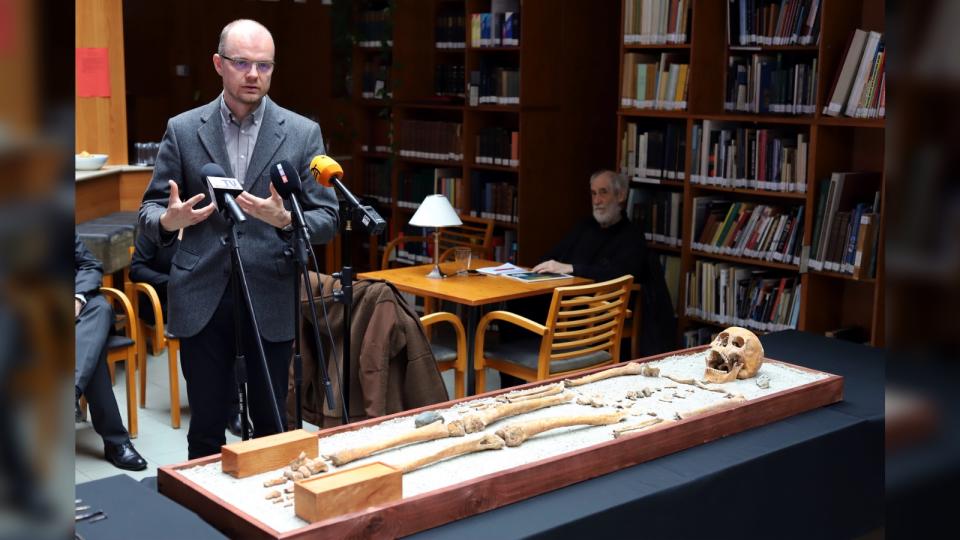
column 471, row 290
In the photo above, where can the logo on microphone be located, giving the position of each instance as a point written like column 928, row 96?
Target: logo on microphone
column 283, row 175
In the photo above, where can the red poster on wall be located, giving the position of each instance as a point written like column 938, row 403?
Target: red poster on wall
column 93, row 72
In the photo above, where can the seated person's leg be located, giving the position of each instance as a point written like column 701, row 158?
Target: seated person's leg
column 92, row 327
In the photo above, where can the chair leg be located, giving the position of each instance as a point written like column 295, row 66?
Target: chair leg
column 459, row 384
column 173, row 350
column 110, row 368
column 131, row 367
column 481, row 381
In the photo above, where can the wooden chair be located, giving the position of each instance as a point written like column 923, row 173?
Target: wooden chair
column 583, row 330
column 124, row 348
column 475, row 233
column 159, row 340
column 631, row 325
column 448, row 357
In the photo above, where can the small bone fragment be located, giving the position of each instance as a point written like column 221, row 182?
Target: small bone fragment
column 710, row 408
column 288, row 489
column 288, row 474
column 593, row 401
column 426, row 433
column 679, row 380
column 514, row 434
column 650, row 371
column 474, row 444
column 763, row 381
column 647, row 392
column 288, row 504
column 305, row 471
column 703, row 386
column 274, row 482
column 272, row 495
column 717, row 376
column 316, row 466
column 679, row 396
column 670, row 386
column 618, row 432
column 477, row 421
column 632, row 368
column 427, row 418
column 665, row 399
column 297, row 476
column 541, row 391
column 633, row 395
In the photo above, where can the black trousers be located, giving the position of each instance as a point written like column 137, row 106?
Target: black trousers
column 207, row 359
column 91, row 375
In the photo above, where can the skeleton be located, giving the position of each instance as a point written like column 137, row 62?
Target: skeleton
column 735, row 354
column 426, row 433
column 477, row 421
column 618, row 432
column 514, row 434
column 532, row 393
column 632, row 368
column 473, row 444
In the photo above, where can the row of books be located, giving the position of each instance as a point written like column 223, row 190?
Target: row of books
column 374, row 29
column 746, row 229
column 493, row 198
column 773, row 22
column 505, row 246
column 495, row 29
column 498, row 146
column 375, row 79
column 413, row 186
column 733, row 155
column 449, row 80
column 649, row 22
column 846, row 226
column 860, row 87
column 671, row 274
column 733, row 295
column 496, row 86
column 427, row 139
column 376, row 181
column 658, row 213
column 450, row 31
column 764, row 84
column 652, row 81
column 654, row 154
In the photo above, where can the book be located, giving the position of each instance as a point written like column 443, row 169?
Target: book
column 843, row 82
column 533, row 277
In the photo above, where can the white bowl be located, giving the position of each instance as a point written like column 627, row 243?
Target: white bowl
column 91, row 162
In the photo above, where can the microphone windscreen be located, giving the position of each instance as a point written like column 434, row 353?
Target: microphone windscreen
column 285, row 179
column 211, row 169
column 324, row 169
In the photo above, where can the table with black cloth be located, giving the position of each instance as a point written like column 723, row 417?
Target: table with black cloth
column 818, row 474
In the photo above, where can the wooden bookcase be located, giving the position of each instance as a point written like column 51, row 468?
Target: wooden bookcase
column 829, row 300
column 559, row 59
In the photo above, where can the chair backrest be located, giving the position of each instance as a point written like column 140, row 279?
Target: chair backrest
column 475, row 233
column 585, row 320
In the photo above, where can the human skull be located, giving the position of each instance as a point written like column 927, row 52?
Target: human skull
column 735, row 354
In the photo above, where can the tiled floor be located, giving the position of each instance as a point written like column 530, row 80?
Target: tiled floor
column 157, row 442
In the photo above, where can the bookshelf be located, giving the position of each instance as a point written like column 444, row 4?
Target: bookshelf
column 507, row 162
column 812, row 147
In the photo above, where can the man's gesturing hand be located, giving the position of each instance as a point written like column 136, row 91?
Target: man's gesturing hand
column 269, row 210
column 181, row 214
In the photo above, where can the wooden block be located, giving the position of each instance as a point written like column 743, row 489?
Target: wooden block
column 255, row 456
column 350, row 490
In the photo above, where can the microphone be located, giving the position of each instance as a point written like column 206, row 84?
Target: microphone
column 328, row 173
column 222, row 191
column 286, row 180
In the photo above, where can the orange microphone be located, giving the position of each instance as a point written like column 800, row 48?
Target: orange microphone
column 328, row 173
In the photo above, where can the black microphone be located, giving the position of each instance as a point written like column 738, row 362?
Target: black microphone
column 286, row 180
column 222, row 191
column 328, row 173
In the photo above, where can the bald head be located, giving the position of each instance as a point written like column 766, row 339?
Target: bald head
column 244, row 28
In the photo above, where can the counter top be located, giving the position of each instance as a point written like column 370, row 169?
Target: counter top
column 108, row 170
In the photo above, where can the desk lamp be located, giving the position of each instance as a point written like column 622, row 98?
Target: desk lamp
column 435, row 211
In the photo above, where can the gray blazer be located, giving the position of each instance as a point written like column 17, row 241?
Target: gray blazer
column 201, row 266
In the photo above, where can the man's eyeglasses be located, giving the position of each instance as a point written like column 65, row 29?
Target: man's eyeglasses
column 242, row 64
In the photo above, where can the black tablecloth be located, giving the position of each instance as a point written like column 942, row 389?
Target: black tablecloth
column 815, row 475
column 137, row 511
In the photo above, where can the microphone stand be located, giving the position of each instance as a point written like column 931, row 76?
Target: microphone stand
column 345, row 297
column 302, row 248
column 240, row 287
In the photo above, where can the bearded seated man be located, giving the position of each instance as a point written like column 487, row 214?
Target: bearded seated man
column 605, row 246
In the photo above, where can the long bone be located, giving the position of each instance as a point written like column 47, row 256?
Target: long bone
column 620, row 431
column 632, row 368
column 429, row 432
column 532, row 393
column 473, row 444
column 477, row 421
column 514, row 434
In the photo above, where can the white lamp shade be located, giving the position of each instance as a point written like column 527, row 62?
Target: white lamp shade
column 435, row 211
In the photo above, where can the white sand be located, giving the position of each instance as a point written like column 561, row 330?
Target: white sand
column 247, row 493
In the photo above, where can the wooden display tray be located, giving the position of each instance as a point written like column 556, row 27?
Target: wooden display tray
column 484, row 493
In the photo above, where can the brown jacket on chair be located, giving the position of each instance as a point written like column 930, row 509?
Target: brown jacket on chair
column 392, row 367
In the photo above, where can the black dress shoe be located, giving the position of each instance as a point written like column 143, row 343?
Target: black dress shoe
column 124, row 456
column 233, row 425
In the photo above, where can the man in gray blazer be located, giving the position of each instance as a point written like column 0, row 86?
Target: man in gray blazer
column 244, row 132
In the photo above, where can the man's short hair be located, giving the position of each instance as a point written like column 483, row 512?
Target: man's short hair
column 618, row 180
column 226, row 31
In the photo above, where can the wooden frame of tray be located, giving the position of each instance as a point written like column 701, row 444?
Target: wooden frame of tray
column 484, row 493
